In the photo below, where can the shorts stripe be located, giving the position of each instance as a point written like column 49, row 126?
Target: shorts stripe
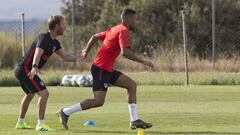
column 27, row 71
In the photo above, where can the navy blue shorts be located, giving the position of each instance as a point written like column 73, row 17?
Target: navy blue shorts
column 28, row 85
column 102, row 78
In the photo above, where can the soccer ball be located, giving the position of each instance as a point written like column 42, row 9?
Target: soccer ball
column 81, row 80
column 77, row 80
column 66, row 81
column 90, row 80
column 74, row 80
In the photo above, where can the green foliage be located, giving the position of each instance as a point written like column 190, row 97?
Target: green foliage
column 159, row 30
column 160, row 23
column 54, row 77
column 85, row 11
column 10, row 51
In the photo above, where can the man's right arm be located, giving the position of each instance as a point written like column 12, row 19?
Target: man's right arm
column 40, row 46
column 92, row 41
column 36, row 59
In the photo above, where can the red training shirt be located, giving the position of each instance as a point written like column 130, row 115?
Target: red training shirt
column 114, row 39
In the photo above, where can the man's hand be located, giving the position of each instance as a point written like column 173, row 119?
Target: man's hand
column 33, row 72
column 84, row 53
column 78, row 57
column 148, row 63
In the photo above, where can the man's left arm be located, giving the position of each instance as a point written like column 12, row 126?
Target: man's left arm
column 124, row 42
column 66, row 56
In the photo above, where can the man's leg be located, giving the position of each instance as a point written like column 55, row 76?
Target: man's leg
column 42, row 103
column 100, row 86
column 127, row 83
column 124, row 81
column 21, row 124
column 97, row 101
column 21, row 77
column 25, row 104
column 23, row 110
column 36, row 85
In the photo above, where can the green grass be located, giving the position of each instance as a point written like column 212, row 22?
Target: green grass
column 171, row 109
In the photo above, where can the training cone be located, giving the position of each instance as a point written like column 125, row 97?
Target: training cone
column 140, row 132
column 89, row 123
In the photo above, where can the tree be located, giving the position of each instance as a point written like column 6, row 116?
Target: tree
column 160, row 23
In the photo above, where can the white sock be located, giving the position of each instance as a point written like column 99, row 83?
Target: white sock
column 72, row 109
column 21, row 120
column 133, row 111
column 41, row 122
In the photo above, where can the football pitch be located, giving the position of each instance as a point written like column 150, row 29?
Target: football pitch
column 172, row 110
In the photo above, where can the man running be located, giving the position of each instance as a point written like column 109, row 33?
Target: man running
column 26, row 71
column 116, row 40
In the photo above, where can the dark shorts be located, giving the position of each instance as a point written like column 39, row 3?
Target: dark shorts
column 102, row 78
column 28, row 85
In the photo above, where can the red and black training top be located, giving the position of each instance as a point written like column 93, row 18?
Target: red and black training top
column 45, row 42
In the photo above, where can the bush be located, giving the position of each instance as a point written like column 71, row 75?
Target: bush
column 54, row 77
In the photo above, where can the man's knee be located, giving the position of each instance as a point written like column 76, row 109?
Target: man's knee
column 132, row 87
column 44, row 94
column 29, row 96
column 99, row 103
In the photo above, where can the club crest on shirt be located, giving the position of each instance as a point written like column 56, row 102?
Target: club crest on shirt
column 42, row 83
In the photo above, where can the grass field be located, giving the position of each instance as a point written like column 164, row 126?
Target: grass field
column 171, row 109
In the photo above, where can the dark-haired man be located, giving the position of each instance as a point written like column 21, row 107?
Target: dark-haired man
column 116, row 41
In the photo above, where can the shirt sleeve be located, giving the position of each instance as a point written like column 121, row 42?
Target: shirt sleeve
column 102, row 35
column 58, row 46
column 41, row 42
column 124, row 39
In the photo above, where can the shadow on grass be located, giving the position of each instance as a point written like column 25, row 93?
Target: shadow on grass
column 157, row 132
column 197, row 133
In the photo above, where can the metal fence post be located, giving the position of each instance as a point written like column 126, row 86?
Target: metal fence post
column 185, row 48
column 73, row 31
column 213, row 35
column 23, row 33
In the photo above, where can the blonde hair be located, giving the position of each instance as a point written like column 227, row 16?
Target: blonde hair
column 53, row 21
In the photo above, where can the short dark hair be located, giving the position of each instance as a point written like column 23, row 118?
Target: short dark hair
column 53, row 21
column 127, row 12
